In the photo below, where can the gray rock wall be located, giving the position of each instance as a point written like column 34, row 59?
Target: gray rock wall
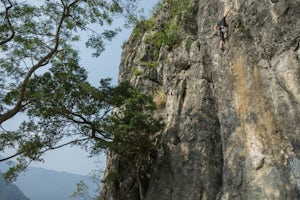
column 233, row 117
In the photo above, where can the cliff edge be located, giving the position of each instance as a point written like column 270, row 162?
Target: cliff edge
column 232, row 118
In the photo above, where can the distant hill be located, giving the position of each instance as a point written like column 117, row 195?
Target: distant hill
column 43, row 184
column 10, row 191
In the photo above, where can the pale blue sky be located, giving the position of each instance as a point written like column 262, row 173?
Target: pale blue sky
column 75, row 160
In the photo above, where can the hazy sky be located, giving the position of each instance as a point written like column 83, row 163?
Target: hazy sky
column 75, row 160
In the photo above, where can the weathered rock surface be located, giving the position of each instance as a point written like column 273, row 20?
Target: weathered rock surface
column 232, row 117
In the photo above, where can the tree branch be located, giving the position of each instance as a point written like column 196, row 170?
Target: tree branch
column 43, row 61
column 9, row 24
column 66, row 144
column 12, row 156
column 89, row 124
column 44, row 151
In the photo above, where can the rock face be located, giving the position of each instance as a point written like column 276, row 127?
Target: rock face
column 232, row 118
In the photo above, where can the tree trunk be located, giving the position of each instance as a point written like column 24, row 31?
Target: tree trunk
column 139, row 181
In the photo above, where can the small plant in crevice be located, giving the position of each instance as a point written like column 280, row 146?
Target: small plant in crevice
column 142, row 27
column 150, row 64
column 136, row 72
column 160, row 98
column 188, row 43
column 124, row 44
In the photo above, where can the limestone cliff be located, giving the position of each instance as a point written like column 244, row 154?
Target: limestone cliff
column 233, row 117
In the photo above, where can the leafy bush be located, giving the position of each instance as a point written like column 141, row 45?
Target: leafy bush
column 169, row 29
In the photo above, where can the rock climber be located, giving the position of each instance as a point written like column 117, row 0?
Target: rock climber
column 223, row 29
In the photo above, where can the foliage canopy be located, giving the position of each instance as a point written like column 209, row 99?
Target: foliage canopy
column 62, row 107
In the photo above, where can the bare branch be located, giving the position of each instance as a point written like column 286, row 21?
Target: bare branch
column 66, row 144
column 12, row 156
column 47, row 149
column 73, row 3
column 106, row 112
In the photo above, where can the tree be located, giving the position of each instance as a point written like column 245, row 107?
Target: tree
column 82, row 191
column 32, row 36
column 59, row 101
